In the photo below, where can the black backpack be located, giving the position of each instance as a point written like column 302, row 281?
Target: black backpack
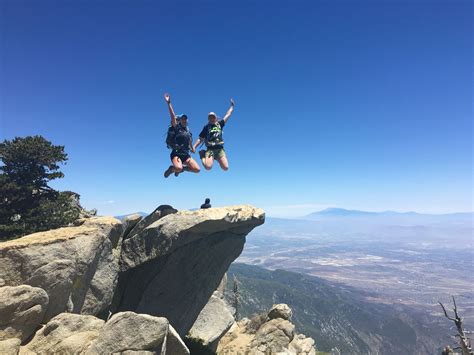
column 171, row 135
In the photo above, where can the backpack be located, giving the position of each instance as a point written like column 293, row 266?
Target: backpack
column 171, row 135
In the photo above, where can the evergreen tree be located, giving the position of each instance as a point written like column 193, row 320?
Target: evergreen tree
column 236, row 297
column 27, row 203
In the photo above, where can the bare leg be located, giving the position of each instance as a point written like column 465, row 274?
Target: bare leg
column 207, row 162
column 192, row 166
column 177, row 164
column 223, row 163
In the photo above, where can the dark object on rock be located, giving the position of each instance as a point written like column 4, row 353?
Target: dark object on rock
column 207, row 203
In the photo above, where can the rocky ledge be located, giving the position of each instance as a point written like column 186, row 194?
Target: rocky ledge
column 266, row 333
column 158, row 271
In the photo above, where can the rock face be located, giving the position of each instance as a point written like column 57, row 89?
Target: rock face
column 171, row 267
column 126, row 332
column 266, row 334
column 22, row 309
column 212, row 323
column 76, row 266
column 165, row 266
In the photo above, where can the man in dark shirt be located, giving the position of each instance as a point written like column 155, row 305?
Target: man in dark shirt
column 211, row 135
column 207, row 203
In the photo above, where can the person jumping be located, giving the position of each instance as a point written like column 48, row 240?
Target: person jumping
column 179, row 139
column 211, row 135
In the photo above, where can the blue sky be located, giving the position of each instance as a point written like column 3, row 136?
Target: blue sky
column 357, row 104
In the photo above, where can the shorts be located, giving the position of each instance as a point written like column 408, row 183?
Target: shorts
column 184, row 156
column 216, row 153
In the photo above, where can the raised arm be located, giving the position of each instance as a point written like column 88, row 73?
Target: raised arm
column 229, row 111
column 170, row 108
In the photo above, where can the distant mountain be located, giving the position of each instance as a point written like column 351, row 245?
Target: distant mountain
column 143, row 214
column 336, row 315
column 342, row 212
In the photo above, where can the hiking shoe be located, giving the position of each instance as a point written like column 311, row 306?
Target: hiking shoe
column 168, row 171
column 176, row 173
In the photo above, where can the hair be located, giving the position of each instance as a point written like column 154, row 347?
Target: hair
column 207, row 200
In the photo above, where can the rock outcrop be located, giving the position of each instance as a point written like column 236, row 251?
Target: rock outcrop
column 154, row 275
column 171, row 267
column 272, row 333
column 76, row 266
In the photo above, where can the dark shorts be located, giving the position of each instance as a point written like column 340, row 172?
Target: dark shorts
column 184, row 156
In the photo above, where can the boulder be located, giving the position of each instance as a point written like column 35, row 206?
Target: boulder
column 171, row 267
column 280, row 311
column 66, row 333
column 159, row 212
column 212, row 323
column 128, row 331
column 302, row 345
column 76, row 266
column 274, row 336
column 22, row 309
column 129, row 222
column 10, row 346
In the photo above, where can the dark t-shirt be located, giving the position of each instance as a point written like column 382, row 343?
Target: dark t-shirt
column 206, row 205
column 212, row 134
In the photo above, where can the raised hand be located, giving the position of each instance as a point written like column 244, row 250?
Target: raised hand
column 167, row 98
column 232, row 103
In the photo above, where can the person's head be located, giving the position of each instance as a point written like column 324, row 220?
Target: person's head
column 183, row 119
column 208, row 200
column 212, row 117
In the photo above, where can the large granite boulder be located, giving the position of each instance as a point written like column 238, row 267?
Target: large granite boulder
column 128, row 331
column 76, row 266
column 124, row 333
column 67, row 333
column 212, row 323
column 22, row 309
column 171, row 267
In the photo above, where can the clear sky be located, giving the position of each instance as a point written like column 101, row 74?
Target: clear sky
column 356, row 104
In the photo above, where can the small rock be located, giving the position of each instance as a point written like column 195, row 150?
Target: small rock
column 280, row 311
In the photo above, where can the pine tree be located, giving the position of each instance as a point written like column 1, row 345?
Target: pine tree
column 236, row 297
column 27, row 203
